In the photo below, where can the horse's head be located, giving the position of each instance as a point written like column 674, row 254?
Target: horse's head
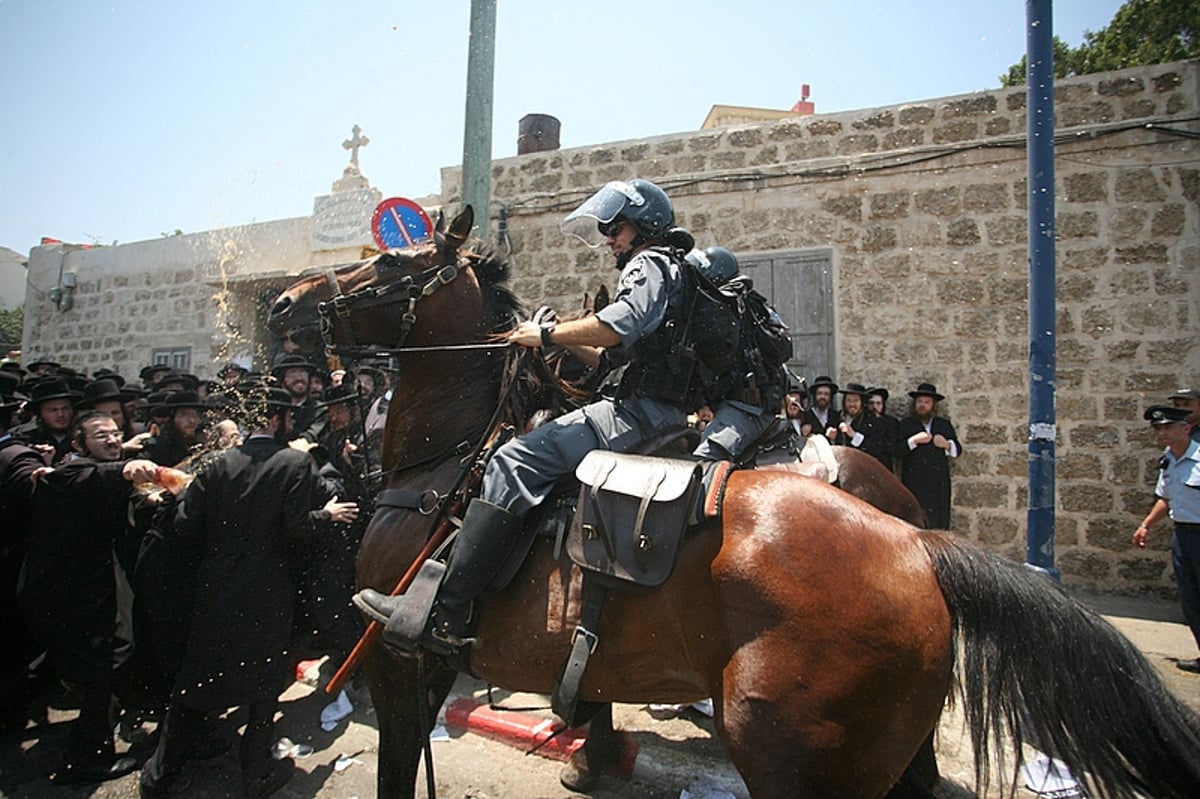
column 413, row 296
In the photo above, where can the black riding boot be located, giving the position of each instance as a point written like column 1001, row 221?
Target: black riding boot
column 484, row 542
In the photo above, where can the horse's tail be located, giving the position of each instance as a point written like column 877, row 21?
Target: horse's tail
column 1039, row 667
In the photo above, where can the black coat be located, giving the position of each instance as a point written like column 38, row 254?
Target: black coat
column 246, row 506
column 68, row 586
column 809, row 417
column 884, row 439
column 926, row 469
column 17, row 464
column 33, row 433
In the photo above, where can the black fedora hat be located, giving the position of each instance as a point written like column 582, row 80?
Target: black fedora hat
column 822, row 380
column 109, row 374
column 346, row 392
column 100, row 391
column 179, row 400
column 292, row 362
column 186, row 381
column 854, row 388
column 233, row 367
column 880, row 390
column 258, row 396
column 42, row 363
column 12, row 367
column 50, row 389
column 10, row 400
column 926, row 390
column 146, row 375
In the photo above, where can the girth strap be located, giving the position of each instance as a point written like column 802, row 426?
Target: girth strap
column 566, row 690
column 425, row 502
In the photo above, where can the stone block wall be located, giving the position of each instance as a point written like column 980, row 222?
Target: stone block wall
column 198, row 291
column 924, row 205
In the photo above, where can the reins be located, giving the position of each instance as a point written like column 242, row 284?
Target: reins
column 335, row 312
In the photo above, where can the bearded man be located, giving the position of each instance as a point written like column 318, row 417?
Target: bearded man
column 928, row 443
column 79, row 514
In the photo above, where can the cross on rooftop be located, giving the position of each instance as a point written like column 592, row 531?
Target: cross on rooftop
column 354, row 143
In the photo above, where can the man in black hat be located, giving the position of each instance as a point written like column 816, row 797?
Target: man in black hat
column 294, row 374
column 328, row 577
column 882, row 445
column 179, row 433
column 79, row 513
column 1177, row 495
column 18, row 463
column 855, row 426
column 152, row 375
column 232, row 373
column 820, row 416
column 928, row 442
column 1189, row 400
column 246, row 507
column 42, row 368
column 107, row 396
column 51, row 402
column 178, row 380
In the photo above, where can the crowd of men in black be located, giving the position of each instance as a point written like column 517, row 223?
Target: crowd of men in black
column 85, row 468
column 155, row 630
column 920, row 444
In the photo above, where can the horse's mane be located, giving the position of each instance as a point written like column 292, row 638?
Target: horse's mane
column 537, row 387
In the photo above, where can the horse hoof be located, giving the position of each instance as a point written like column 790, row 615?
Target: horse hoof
column 577, row 777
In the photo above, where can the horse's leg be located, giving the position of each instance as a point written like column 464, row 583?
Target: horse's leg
column 825, row 726
column 600, row 751
column 392, row 681
column 921, row 776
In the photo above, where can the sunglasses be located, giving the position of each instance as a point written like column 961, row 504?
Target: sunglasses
column 610, row 229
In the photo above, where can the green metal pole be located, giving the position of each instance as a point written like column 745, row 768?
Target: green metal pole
column 477, row 129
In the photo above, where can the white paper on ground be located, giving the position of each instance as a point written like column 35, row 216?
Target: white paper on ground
column 1046, row 776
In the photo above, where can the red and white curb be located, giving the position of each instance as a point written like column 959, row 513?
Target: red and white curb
column 659, row 766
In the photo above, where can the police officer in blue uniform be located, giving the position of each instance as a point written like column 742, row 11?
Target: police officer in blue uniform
column 635, row 220
column 1178, row 495
column 757, row 383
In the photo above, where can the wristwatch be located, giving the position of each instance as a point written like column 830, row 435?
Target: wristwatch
column 546, row 331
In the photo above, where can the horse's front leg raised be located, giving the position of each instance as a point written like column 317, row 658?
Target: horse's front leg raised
column 393, row 684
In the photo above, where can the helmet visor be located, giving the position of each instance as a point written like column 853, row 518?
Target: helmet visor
column 601, row 208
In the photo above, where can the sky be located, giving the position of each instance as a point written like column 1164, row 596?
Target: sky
column 125, row 121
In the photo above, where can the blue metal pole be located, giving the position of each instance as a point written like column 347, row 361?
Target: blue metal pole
column 1039, row 56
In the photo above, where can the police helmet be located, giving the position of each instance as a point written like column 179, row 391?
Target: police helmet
column 638, row 202
column 716, row 263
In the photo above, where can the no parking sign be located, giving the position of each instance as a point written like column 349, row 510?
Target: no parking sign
column 399, row 222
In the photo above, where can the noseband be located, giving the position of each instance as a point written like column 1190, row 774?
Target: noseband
column 336, row 327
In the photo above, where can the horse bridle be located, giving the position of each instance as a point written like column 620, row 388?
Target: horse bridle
column 411, row 289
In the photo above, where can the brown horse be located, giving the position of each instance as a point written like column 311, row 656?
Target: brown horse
column 826, row 631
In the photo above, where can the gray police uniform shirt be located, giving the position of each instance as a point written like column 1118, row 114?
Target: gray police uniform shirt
column 1179, row 485
column 523, row 471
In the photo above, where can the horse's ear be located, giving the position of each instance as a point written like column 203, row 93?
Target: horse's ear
column 460, row 227
column 601, row 298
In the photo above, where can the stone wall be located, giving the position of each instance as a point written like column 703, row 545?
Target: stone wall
column 924, row 205
column 199, row 291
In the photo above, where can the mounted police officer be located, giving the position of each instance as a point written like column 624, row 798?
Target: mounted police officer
column 650, row 392
column 748, row 395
